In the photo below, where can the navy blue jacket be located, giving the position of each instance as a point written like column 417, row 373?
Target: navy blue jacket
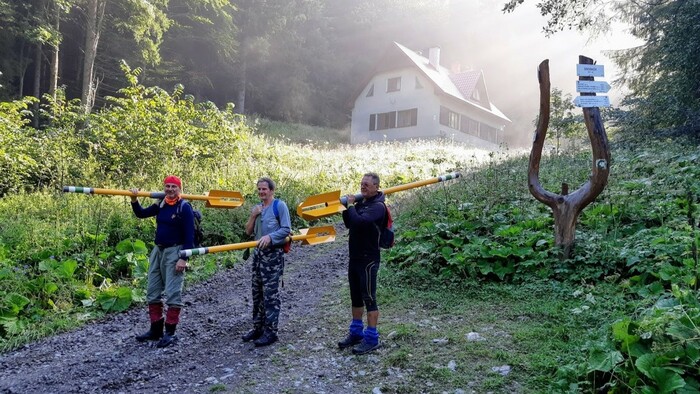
column 170, row 229
column 364, row 219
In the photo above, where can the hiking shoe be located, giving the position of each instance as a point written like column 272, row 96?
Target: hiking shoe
column 350, row 340
column 252, row 334
column 364, row 347
column 167, row 340
column 266, row 339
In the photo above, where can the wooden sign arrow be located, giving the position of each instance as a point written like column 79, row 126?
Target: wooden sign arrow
column 592, row 101
column 592, row 86
column 590, row 70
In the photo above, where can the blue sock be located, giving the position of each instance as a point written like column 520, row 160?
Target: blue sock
column 371, row 335
column 356, row 327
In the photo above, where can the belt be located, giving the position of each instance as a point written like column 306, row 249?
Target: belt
column 165, row 246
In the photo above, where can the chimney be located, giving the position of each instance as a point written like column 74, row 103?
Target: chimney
column 434, row 57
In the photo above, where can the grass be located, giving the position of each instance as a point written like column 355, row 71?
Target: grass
column 295, row 133
column 425, row 328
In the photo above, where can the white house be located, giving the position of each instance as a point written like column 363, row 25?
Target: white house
column 408, row 96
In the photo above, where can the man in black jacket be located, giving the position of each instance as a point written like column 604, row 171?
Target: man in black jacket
column 363, row 218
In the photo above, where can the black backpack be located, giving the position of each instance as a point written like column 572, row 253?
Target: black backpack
column 198, row 232
column 386, row 231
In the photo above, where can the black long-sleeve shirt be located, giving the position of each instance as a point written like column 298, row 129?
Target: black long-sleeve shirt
column 364, row 219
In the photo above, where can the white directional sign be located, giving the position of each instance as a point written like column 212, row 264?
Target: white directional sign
column 590, row 70
column 592, row 101
column 592, row 86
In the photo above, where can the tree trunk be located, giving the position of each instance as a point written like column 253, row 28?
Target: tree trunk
column 566, row 207
column 96, row 9
column 240, row 101
column 37, row 82
column 53, row 80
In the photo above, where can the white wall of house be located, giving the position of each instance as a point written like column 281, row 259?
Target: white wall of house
column 428, row 105
column 408, row 97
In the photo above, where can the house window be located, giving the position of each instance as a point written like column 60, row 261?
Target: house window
column 393, row 119
column 370, row 92
column 469, row 126
column 407, row 118
column 418, row 84
column 449, row 118
column 393, row 84
column 489, row 133
column 386, row 120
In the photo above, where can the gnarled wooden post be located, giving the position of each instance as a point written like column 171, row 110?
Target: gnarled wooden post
column 567, row 206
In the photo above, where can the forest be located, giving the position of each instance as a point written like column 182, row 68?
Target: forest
column 300, row 60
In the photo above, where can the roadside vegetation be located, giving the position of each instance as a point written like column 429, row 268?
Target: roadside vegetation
column 621, row 316
column 475, row 256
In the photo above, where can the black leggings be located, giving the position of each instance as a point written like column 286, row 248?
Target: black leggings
column 362, row 276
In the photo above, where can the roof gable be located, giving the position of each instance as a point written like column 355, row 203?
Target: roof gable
column 460, row 86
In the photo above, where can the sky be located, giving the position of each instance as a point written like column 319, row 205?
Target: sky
column 509, row 48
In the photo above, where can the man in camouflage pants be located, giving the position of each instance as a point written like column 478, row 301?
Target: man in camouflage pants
column 270, row 223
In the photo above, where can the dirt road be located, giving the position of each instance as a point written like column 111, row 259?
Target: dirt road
column 210, row 356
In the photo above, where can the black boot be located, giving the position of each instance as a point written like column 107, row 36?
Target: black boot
column 154, row 333
column 253, row 334
column 169, row 336
column 350, row 340
column 268, row 338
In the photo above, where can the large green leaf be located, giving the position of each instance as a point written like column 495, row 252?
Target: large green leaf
column 129, row 246
column 604, row 360
column 13, row 325
column 16, row 302
column 645, row 363
column 66, row 269
column 666, row 381
column 115, row 300
column 621, row 332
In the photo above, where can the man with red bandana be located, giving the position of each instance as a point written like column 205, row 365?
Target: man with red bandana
column 166, row 272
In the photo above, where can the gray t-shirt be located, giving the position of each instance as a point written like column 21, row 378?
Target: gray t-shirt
column 266, row 223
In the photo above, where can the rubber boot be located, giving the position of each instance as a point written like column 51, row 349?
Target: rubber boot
column 154, row 333
column 169, row 336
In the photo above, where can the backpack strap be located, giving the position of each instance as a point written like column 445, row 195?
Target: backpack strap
column 275, row 210
column 179, row 206
column 178, row 211
column 385, row 220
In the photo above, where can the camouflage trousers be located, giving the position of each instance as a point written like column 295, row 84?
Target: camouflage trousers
column 268, row 267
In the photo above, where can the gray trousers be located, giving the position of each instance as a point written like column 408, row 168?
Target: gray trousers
column 163, row 277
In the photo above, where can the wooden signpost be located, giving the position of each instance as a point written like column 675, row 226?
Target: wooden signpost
column 567, row 206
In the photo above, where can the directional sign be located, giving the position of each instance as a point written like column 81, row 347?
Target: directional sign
column 589, row 70
column 592, row 101
column 592, row 86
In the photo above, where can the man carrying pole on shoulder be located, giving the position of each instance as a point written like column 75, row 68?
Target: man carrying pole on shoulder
column 363, row 218
column 166, row 271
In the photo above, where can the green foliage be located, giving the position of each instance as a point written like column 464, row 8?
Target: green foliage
column 657, row 351
column 661, row 74
column 564, row 123
column 18, row 148
column 640, row 235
